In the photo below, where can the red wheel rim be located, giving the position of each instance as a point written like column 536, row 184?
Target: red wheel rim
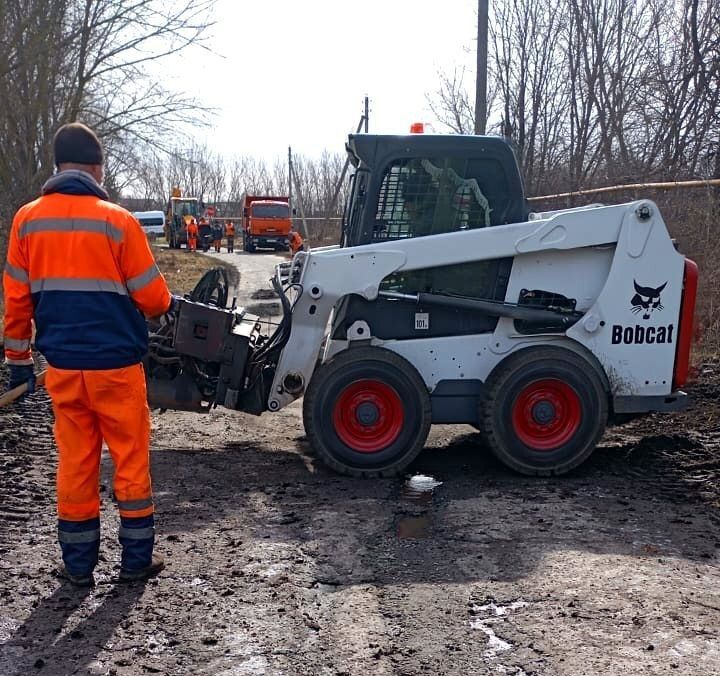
column 546, row 414
column 368, row 416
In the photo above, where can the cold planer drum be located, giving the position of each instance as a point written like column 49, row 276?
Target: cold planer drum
column 202, row 356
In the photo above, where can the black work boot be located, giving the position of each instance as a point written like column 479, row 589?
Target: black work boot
column 136, row 574
column 83, row 580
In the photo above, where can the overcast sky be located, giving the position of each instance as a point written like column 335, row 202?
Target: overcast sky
column 295, row 72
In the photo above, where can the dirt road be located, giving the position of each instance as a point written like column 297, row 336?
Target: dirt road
column 277, row 566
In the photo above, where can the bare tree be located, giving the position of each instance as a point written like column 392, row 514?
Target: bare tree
column 591, row 91
column 450, row 104
column 88, row 60
column 527, row 64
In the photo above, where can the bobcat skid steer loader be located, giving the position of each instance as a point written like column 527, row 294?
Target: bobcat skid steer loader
column 447, row 301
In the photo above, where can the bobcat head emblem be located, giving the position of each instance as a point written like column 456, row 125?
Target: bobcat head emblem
column 646, row 299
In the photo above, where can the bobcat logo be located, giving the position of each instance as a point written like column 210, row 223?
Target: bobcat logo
column 646, row 299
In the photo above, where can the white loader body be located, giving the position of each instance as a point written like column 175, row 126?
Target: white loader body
column 597, row 255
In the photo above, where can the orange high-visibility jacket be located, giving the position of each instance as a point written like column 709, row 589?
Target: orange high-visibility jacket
column 230, row 230
column 82, row 268
column 295, row 240
column 192, row 229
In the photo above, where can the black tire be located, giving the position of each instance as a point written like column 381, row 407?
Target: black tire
column 388, row 392
column 544, row 411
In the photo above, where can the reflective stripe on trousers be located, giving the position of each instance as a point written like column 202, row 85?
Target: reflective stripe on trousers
column 134, row 505
column 137, row 537
column 80, row 544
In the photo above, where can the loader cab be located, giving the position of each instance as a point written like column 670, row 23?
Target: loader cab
column 418, row 185
column 422, row 185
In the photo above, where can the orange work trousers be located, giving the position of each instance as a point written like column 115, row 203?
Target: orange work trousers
column 192, row 243
column 91, row 406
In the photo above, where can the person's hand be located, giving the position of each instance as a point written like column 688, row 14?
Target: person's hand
column 20, row 375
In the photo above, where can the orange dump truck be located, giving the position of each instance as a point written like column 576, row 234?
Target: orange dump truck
column 266, row 222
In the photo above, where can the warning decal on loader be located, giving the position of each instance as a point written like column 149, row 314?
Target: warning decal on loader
column 422, row 321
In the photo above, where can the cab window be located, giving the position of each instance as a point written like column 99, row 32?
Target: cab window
column 420, row 197
column 428, row 196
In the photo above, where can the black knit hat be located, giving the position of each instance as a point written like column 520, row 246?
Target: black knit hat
column 78, row 144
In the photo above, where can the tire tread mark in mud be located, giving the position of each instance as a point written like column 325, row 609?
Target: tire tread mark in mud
column 27, row 460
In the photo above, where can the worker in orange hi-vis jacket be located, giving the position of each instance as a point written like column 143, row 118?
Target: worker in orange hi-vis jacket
column 192, row 234
column 295, row 241
column 230, row 234
column 81, row 267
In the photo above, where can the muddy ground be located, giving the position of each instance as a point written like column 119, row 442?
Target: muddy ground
column 278, row 566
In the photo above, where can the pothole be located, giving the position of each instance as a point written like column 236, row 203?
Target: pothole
column 419, row 489
column 414, row 527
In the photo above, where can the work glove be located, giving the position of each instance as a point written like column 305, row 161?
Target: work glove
column 20, row 375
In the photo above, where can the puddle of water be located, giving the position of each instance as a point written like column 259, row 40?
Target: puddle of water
column 496, row 645
column 419, row 489
column 413, row 528
column 499, row 611
column 510, row 671
column 683, row 648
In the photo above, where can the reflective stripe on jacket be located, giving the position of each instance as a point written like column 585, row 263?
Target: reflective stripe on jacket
column 82, row 268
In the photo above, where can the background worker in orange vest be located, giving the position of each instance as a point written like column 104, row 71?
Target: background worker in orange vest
column 296, row 242
column 230, row 234
column 192, row 234
column 81, row 267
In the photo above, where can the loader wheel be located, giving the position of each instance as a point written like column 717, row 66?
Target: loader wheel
column 544, row 411
column 367, row 412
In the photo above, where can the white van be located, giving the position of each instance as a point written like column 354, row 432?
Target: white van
column 152, row 222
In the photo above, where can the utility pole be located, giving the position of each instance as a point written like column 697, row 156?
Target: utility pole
column 290, row 177
column 363, row 124
column 482, row 58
